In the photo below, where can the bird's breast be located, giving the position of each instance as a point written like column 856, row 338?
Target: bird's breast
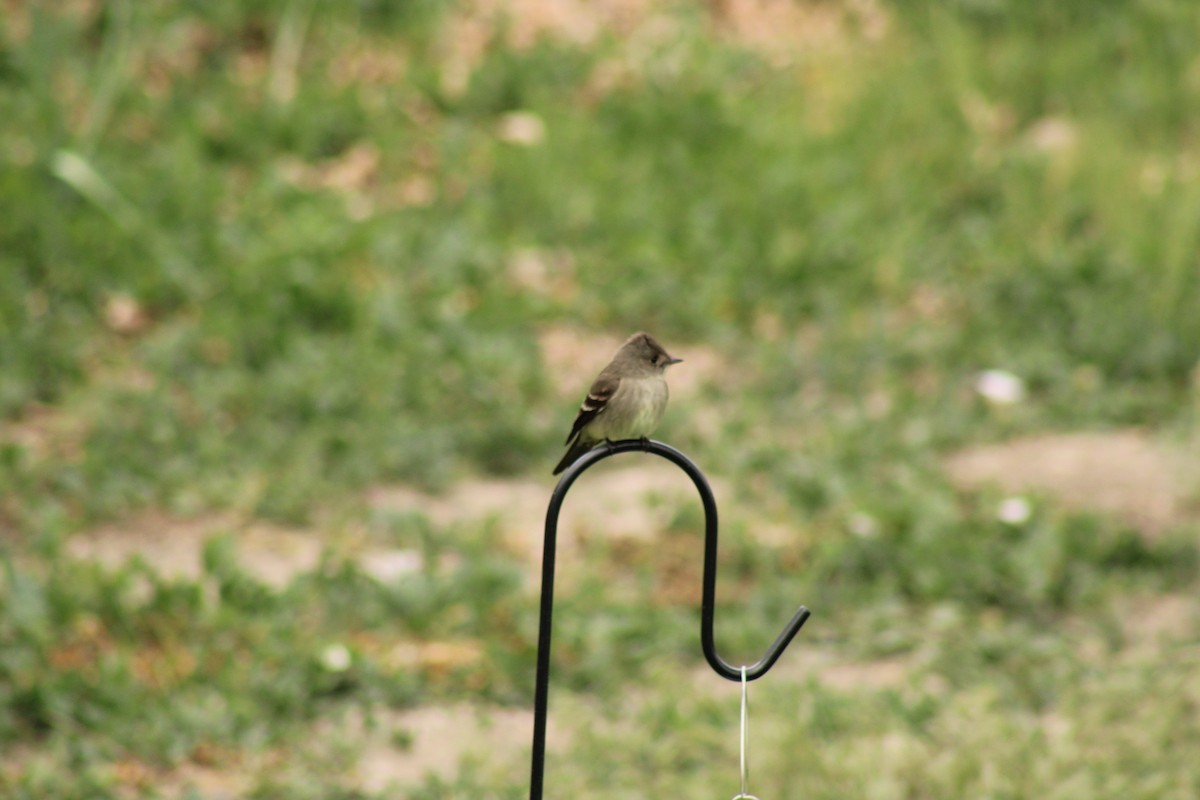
column 634, row 410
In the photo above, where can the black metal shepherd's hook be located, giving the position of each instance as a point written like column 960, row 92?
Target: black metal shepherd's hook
column 707, row 603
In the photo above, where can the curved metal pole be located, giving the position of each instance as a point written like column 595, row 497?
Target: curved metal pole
column 708, row 595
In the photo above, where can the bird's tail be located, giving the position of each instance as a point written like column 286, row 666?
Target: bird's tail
column 577, row 448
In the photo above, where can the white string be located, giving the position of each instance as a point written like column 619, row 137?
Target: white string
column 745, row 740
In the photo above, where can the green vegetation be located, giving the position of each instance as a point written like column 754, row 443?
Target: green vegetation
column 256, row 258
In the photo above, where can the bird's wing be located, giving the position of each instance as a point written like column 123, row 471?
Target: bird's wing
column 598, row 396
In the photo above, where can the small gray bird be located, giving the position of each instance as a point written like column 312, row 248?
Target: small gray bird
column 626, row 401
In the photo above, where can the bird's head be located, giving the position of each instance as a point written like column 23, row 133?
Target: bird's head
column 646, row 352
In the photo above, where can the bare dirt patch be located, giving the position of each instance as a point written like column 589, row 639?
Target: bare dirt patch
column 396, row 750
column 1151, row 621
column 45, row 432
column 1125, row 473
column 779, row 29
column 805, row 660
column 763, row 24
column 174, row 547
column 442, row 738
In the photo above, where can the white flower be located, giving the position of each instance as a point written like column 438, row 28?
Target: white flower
column 522, row 128
column 390, row 566
column 336, row 658
column 1052, row 135
column 863, row 525
column 1000, row 387
column 1014, row 510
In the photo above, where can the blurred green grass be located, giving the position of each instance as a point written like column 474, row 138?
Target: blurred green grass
column 257, row 257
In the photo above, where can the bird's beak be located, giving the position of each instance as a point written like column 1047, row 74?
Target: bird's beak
column 671, row 360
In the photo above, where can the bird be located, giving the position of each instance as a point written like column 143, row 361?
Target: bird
column 626, row 401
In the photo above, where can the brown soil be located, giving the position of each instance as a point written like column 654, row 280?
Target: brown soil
column 1125, row 473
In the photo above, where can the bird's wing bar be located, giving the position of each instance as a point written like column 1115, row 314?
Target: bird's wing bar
column 598, row 397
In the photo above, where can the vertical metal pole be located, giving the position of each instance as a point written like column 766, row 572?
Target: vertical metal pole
column 541, row 694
